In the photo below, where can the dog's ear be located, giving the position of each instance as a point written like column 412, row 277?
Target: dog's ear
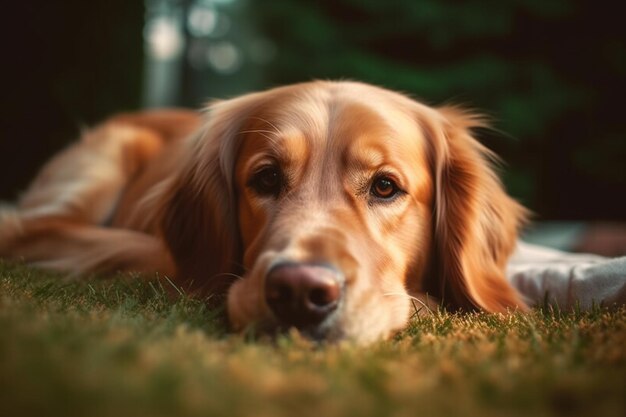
column 198, row 214
column 475, row 222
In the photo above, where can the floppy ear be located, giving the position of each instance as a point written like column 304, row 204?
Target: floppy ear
column 198, row 217
column 476, row 222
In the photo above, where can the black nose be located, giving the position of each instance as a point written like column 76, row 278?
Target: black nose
column 302, row 295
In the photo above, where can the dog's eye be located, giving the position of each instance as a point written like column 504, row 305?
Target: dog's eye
column 384, row 188
column 267, row 181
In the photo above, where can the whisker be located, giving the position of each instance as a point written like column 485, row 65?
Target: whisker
column 227, row 274
column 257, row 131
column 272, row 125
column 410, row 297
column 264, row 133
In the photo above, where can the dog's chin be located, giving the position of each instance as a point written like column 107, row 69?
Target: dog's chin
column 329, row 332
column 247, row 318
column 318, row 334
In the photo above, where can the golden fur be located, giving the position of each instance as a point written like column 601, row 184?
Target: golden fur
column 169, row 191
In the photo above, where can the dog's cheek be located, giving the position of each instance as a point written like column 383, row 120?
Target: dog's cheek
column 243, row 305
column 380, row 318
column 376, row 304
column 396, row 306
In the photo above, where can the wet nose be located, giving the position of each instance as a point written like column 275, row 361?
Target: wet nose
column 302, row 295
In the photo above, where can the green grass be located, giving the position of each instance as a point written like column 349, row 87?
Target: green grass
column 122, row 347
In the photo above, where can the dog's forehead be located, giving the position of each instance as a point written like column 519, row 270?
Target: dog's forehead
column 374, row 131
column 338, row 121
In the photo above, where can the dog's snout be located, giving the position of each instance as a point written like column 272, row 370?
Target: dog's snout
column 302, row 295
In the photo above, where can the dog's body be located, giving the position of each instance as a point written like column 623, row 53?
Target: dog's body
column 325, row 206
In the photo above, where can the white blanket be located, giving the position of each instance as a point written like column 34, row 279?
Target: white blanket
column 565, row 279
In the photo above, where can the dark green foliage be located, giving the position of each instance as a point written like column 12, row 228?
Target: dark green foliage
column 550, row 73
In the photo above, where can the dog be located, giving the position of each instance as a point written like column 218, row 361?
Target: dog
column 331, row 207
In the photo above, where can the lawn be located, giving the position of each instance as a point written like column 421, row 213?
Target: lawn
column 123, row 347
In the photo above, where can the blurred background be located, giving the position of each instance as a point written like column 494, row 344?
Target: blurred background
column 550, row 73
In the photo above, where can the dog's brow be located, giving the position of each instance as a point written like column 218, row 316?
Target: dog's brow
column 366, row 157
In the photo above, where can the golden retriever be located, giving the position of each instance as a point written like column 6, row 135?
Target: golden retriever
column 326, row 206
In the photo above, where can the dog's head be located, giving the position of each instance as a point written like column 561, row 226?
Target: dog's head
column 333, row 204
